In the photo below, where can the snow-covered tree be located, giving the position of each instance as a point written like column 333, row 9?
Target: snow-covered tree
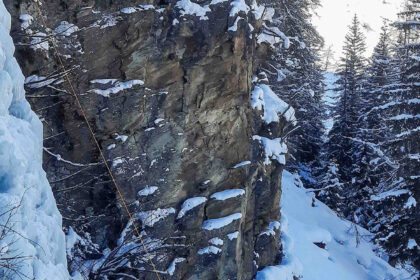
column 342, row 148
column 400, row 226
column 374, row 142
column 296, row 74
column 373, row 130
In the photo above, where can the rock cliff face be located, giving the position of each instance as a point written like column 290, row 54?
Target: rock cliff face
column 167, row 88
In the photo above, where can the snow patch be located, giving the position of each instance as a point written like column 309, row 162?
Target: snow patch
column 104, row 81
column 414, row 156
column 65, row 29
column 172, row 266
column 272, row 228
column 412, row 244
column 216, row 241
column 26, row 20
column 157, row 121
column 147, row 7
column 116, row 86
column 237, row 7
column 190, row 204
column 147, row 191
column 40, row 42
column 149, row 218
column 123, row 138
column 233, row 235
column 388, row 194
column 404, row 117
column 242, row 164
column 35, row 81
column 234, row 27
column 107, row 21
column 72, row 238
column 224, row 195
column 273, row 36
column 128, row 10
column 274, row 149
column 209, row 250
column 263, row 98
column 117, row 162
column 221, row 222
column 187, row 7
column 260, row 10
column 110, row 147
column 411, row 202
column 215, row 2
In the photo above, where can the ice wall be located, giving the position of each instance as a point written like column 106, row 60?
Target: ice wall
column 30, row 224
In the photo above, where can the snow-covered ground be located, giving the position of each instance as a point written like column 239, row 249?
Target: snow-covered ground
column 32, row 242
column 348, row 254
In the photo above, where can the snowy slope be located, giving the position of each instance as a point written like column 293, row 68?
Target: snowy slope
column 30, row 224
column 342, row 258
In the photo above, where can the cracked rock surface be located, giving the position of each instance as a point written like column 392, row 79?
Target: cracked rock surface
column 167, row 91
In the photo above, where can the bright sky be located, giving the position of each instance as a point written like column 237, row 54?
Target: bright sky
column 336, row 15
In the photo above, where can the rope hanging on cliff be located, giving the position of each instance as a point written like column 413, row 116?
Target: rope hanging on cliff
column 96, row 140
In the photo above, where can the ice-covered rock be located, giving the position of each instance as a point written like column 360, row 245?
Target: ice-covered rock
column 33, row 223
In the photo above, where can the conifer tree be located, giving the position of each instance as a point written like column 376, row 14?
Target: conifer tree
column 371, row 164
column 401, row 214
column 295, row 74
column 378, row 115
column 342, row 147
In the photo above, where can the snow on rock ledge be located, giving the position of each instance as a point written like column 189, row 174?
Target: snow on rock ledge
column 190, row 204
column 263, row 98
column 116, row 86
column 274, row 149
column 36, row 223
column 227, row 194
column 149, row 218
column 187, row 7
column 221, row 222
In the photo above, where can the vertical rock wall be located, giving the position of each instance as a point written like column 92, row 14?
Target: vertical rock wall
column 167, row 87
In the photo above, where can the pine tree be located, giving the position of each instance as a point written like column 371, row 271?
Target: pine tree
column 343, row 147
column 353, row 61
column 381, row 68
column 371, row 165
column 384, row 191
column 402, row 222
column 373, row 130
column 296, row 76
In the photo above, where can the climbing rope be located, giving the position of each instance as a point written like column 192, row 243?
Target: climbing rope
column 96, row 140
